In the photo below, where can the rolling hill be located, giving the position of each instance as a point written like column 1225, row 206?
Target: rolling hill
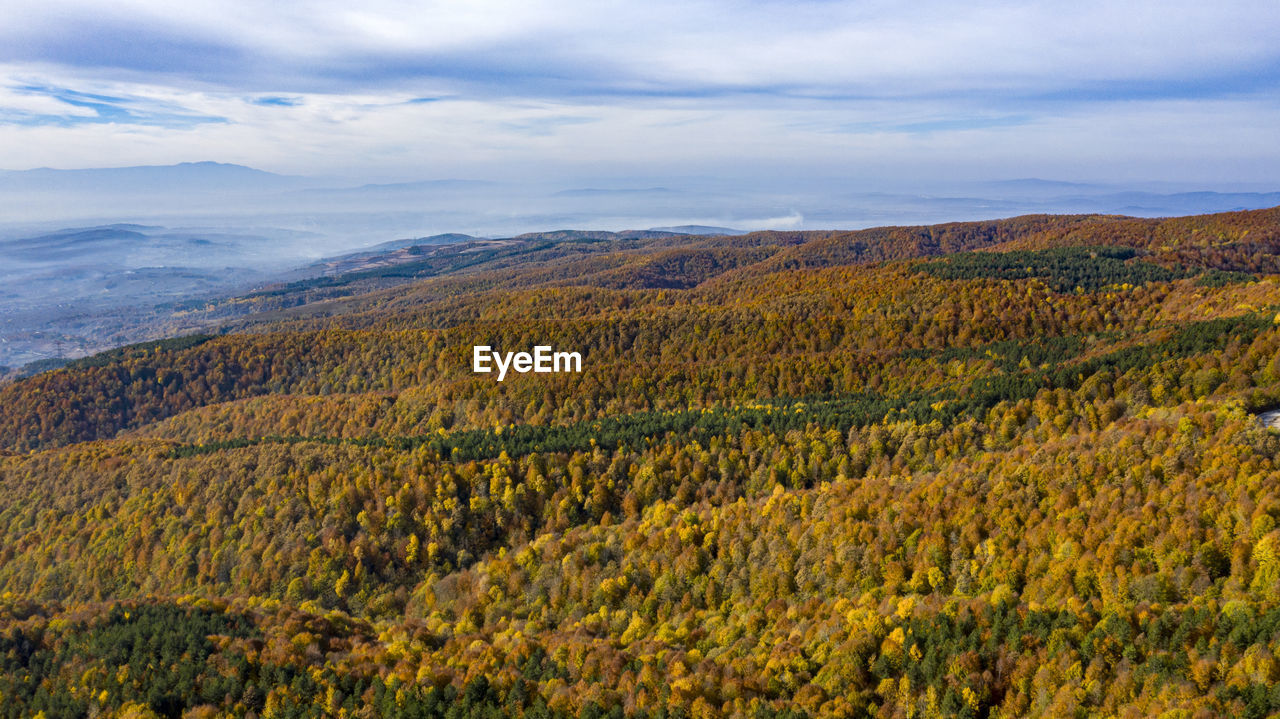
column 1005, row 468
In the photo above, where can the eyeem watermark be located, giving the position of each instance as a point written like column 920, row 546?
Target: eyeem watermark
column 542, row 360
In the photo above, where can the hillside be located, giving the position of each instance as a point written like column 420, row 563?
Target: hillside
column 1006, row 468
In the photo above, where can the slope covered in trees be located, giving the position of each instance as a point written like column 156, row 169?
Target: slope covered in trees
column 982, row 469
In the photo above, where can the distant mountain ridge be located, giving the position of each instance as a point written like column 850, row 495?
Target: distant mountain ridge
column 563, row 235
column 1141, row 203
column 158, row 178
column 598, row 191
column 705, row 230
column 401, row 187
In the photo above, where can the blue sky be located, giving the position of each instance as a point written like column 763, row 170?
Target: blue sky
column 899, row 92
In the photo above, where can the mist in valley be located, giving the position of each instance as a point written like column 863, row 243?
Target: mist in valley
column 90, row 259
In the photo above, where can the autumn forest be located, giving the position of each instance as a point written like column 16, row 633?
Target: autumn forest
column 988, row 469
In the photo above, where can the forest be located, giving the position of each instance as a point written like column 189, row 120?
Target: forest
column 991, row 469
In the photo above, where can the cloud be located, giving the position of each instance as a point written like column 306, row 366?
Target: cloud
column 35, row 104
column 17, row 103
column 953, row 123
column 558, row 48
column 397, row 90
column 544, row 125
column 789, row 221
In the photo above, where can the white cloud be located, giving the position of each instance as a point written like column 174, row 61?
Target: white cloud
column 559, row 88
column 859, row 47
column 17, row 102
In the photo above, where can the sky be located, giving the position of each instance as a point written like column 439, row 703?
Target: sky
column 573, row 90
